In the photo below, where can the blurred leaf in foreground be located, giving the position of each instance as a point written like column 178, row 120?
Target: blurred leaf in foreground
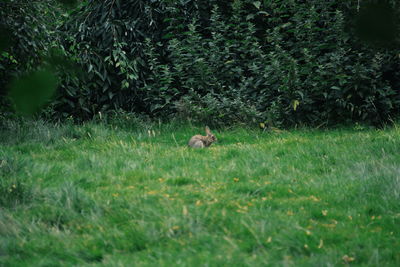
column 5, row 38
column 29, row 93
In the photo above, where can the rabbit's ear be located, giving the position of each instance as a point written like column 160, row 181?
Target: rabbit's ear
column 208, row 132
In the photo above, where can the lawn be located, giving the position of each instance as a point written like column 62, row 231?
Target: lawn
column 112, row 195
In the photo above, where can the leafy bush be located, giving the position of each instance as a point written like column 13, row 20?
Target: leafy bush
column 216, row 109
column 108, row 40
column 281, row 62
column 29, row 52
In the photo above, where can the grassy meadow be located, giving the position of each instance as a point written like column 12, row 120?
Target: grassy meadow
column 117, row 195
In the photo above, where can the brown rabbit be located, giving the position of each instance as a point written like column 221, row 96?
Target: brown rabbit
column 199, row 141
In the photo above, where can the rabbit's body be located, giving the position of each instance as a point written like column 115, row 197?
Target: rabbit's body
column 200, row 141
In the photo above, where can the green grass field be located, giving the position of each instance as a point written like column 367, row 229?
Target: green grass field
column 107, row 195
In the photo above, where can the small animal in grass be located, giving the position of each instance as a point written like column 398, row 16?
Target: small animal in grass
column 200, row 141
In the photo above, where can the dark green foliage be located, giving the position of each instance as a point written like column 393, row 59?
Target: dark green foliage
column 27, row 34
column 69, row 3
column 378, row 23
column 108, row 37
column 319, row 73
column 5, row 38
column 280, row 62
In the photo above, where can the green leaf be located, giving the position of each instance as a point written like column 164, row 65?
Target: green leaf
column 257, row 4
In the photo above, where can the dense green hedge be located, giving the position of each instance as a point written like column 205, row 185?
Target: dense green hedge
column 24, row 37
column 283, row 62
column 30, row 52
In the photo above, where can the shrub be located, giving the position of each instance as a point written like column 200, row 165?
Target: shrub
column 282, row 62
column 29, row 52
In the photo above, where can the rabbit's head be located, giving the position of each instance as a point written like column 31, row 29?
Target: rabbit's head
column 210, row 136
